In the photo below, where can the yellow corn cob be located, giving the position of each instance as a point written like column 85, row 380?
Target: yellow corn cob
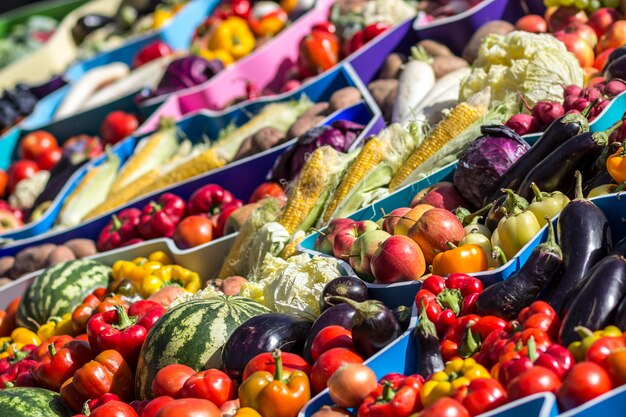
column 370, row 155
column 459, row 119
column 290, row 248
column 310, row 185
column 206, row 161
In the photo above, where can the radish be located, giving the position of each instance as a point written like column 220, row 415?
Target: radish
column 547, row 111
column 446, row 88
column 523, row 124
column 416, row 80
column 572, row 90
column 614, row 88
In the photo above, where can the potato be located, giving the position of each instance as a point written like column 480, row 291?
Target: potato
column 500, row 27
column 6, row 264
column 392, row 67
column 232, row 285
column 302, row 124
column 267, row 138
column 60, row 254
column 31, row 259
column 245, row 149
column 443, row 65
column 343, row 98
column 81, row 247
column 380, row 89
column 316, row 109
column 390, row 100
column 434, row 48
column 166, row 295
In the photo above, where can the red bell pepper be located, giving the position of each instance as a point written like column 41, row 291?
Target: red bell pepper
column 210, row 199
column 602, row 348
column 16, row 368
column 59, row 365
column 213, row 385
column 327, row 27
column 239, row 8
column 365, row 35
column 225, row 211
column 319, row 51
column 464, row 338
column 481, row 395
column 395, row 396
column 540, row 315
column 97, row 402
column 150, row 52
column 159, row 218
column 114, row 408
column 56, row 341
column 123, row 331
column 120, row 229
column 107, row 372
column 265, row 362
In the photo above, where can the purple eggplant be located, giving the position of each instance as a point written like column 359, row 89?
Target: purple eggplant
column 351, row 287
column 620, row 315
column 620, row 248
column 337, row 315
column 428, row 351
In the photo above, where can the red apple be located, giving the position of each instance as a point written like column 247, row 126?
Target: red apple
column 441, row 195
column 577, row 46
column 584, row 32
column 391, row 219
column 9, row 221
column 410, row 218
column 601, row 59
column 363, row 250
column 324, row 242
column 614, row 37
column 532, row 23
column 601, row 19
column 563, row 16
column 342, row 245
column 397, row 259
column 434, row 230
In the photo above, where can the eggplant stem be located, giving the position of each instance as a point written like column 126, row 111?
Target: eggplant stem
column 578, row 193
column 425, row 324
column 602, row 138
column 550, row 243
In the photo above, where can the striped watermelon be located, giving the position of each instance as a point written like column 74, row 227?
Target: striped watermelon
column 32, row 402
column 192, row 334
column 59, row 289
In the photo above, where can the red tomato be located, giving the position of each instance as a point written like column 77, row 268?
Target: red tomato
column 536, row 379
column 118, row 125
column 36, row 143
column 193, row 231
column 445, row 407
column 189, row 407
column 328, row 363
column 584, row 382
column 4, row 178
column 213, row 385
column 114, row 409
column 19, row 171
column 49, row 158
column 170, row 380
column 152, row 408
column 331, row 337
column 267, row 189
column 265, row 362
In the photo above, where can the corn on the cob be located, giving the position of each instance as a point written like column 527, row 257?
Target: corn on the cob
column 372, row 153
column 309, row 188
column 290, row 248
column 204, row 162
column 460, row 118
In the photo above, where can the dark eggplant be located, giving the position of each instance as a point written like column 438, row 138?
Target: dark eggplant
column 88, row 24
column 261, row 334
column 585, row 239
column 339, row 315
column 48, row 87
column 595, row 305
column 601, row 178
column 350, row 287
column 562, row 129
column 614, row 55
column 616, row 69
column 620, row 315
column 555, row 172
column 620, row 248
column 373, row 326
column 507, row 298
column 428, row 351
column 403, row 316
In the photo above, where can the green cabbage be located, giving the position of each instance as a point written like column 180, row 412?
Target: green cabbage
column 536, row 65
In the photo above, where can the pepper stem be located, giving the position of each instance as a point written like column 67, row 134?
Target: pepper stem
column 86, row 410
column 470, row 345
column 532, row 349
column 388, row 392
column 117, row 223
column 278, row 361
column 498, row 254
column 468, row 219
column 579, row 186
column 155, row 207
column 583, row 332
column 52, row 350
column 124, row 321
column 514, row 204
column 537, row 192
column 450, row 298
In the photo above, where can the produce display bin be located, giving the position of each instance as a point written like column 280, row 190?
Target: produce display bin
column 230, row 177
column 56, row 9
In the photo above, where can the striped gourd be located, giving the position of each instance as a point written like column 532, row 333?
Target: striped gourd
column 32, row 402
column 59, row 289
column 192, row 334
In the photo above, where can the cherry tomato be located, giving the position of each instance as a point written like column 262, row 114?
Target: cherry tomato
column 152, row 408
column 445, row 407
column 19, row 171
column 328, row 363
column 267, row 189
column 114, row 409
column 213, row 385
column 4, row 178
column 36, row 143
column 331, row 337
column 193, row 231
column 189, row 407
column 170, row 380
column 536, row 379
column 49, row 158
column 265, row 362
column 584, row 382
column 118, row 125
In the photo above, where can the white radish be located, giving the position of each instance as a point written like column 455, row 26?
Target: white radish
column 91, row 82
column 446, row 88
column 416, row 80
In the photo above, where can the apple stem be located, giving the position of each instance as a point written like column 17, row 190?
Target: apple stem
column 451, row 245
column 318, row 231
column 382, row 210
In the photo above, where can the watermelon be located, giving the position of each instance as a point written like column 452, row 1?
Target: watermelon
column 59, row 289
column 192, row 334
column 32, row 402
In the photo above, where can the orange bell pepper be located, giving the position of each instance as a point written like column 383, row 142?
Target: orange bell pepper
column 464, row 259
column 616, row 165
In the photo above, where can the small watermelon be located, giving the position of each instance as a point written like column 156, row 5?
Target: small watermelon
column 32, row 402
column 59, row 289
column 192, row 334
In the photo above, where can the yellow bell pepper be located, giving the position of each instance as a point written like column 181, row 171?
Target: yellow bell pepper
column 163, row 14
column 224, row 56
column 247, row 412
column 56, row 326
column 167, row 275
column 161, row 257
column 20, row 337
column 234, row 36
column 457, row 373
column 579, row 348
column 516, row 228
